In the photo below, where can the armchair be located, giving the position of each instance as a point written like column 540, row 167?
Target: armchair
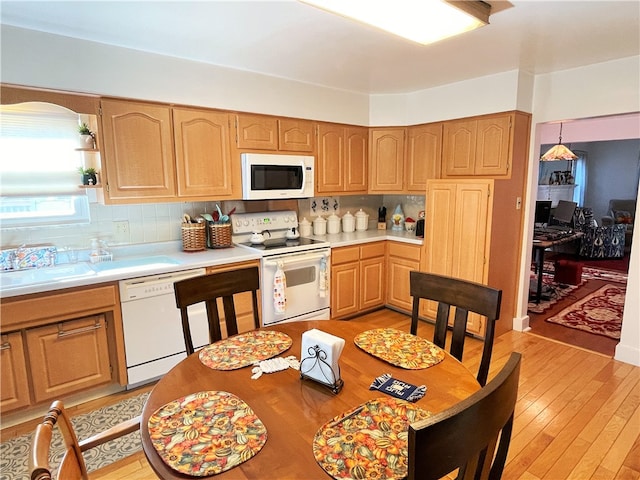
column 598, row 242
column 622, row 212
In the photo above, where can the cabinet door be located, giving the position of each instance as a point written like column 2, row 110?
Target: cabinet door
column 493, row 145
column 402, row 259
column 295, row 135
column 14, row 381
column 386, row 160
column 459, row 147
column 372, row 283
column 202, row 153
column 330, row 164
column 344, row 289
column 138, row 147
column 256, row 132
column 356, row 159
column 424, row 154
column 71, row 356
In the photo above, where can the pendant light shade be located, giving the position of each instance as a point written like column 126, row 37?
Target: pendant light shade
column 558, row 152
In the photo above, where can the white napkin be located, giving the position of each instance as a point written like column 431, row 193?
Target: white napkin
column 331, row 346
column 279, row 290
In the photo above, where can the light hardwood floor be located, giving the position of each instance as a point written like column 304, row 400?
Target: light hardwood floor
column 577, row 415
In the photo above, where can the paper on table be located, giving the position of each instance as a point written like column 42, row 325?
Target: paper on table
column 331, row 346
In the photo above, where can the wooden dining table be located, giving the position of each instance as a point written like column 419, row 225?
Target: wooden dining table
column 293, row 409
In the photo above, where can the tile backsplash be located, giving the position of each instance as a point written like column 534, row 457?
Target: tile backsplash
column 160, row 222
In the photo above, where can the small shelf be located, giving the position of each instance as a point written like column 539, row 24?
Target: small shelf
column 79, row 149
column 99, row 185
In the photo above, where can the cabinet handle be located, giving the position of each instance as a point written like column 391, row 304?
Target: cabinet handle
column 5, row 346
column 77, row 331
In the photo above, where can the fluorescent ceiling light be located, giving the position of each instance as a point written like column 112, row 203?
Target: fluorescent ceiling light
column 422, row 21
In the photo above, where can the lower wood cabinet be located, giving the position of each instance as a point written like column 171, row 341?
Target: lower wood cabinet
column 357, row 279
column 14, row 380
column 68, row 357
column 402, row 258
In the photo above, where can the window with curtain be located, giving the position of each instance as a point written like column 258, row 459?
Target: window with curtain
column 38, row 167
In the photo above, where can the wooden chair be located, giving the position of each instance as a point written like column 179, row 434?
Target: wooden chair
column 465, row 436
column 208, row 289
column 466, row 297
column 72, row 466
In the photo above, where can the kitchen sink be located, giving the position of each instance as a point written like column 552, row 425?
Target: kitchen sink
column 134, row 264
column 59, row 273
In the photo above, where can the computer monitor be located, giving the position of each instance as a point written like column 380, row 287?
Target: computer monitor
column 543, row 212
column 563, row 214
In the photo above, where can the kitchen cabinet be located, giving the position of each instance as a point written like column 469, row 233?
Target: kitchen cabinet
column 478, row 146
column 264, row 132
column 457, row 235
column 357, row 279
column 14, row 380
column 402, row 258
column 386, row 160
column 341, row 165
column 71, row 356
column 74, row 337
column 424, row 156
column 157, row 153
column 243, row 302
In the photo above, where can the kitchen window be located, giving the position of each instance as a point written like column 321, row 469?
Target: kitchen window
column 38, row 171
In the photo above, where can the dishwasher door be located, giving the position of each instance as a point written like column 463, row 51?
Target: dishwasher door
column 152, row 326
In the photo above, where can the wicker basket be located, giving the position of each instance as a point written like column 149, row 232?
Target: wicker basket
column 219, row 235
column 194, row 237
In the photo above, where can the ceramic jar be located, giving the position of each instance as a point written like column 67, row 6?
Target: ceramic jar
column 362, row 220
column 348, row 223
column 319, row 226
column 304, row 227
column 333, row 224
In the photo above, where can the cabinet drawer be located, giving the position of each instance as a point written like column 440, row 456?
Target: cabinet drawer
column 403, row 250
column 345, row 255
column 371, row 250
column 68, row 357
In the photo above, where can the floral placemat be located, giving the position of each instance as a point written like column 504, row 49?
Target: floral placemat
column 244, row 349
column 400, row 348
column 206, row 433
column 369, row 441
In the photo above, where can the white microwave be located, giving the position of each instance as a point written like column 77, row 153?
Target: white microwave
column 268, row 176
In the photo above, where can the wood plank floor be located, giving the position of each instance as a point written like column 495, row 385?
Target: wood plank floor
column 577, row 415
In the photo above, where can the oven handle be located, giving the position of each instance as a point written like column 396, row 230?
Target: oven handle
column 303, row 257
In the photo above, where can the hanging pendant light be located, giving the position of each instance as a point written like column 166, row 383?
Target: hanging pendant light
column 558, row 152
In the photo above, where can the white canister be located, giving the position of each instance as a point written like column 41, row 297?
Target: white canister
column 319, row 226
column 348, row 223
column 333, row 224
column 362, row 220
column 304, row 227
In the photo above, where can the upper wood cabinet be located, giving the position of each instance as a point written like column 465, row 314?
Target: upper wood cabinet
column 386, row 160
column 157, row 153
column 263, row 132
column 342, row 159
column 138, row 151
column 423, row 158
column 479, row 146
column 203, row 160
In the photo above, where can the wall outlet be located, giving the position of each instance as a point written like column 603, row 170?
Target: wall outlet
column 121, row 230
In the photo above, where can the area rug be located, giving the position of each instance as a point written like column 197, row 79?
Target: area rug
column 592, row 273
column 599, row 312
column 557, row 291
column 14, row 452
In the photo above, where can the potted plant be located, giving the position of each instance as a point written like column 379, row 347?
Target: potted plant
column 87, row 137
column 89, row 175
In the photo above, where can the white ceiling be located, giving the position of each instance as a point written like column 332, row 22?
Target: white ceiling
column 295, row 41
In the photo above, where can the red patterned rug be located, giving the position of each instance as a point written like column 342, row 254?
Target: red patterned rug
column 599, row 312
column 554, row 292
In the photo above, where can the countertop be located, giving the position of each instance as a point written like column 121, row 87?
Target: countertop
column 134, row 261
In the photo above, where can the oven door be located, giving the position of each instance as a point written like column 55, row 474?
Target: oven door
column 307, row 292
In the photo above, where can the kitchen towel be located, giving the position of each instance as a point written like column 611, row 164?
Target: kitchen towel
column 397, row 388
column 323, row 281
column 279, row 290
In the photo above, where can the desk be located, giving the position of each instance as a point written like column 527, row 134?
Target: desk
column 292, row 409
column 539, row 246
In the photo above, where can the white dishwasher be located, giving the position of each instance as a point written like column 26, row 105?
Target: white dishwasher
column 153, row 337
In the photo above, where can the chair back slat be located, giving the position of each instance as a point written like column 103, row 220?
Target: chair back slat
column 465, row 436
column 208, row 289
column 461, row 296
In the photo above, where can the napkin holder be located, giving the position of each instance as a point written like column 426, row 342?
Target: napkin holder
column 319, row 359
